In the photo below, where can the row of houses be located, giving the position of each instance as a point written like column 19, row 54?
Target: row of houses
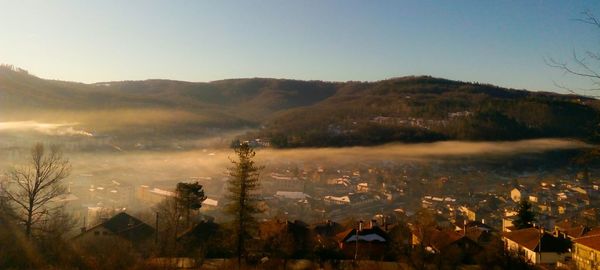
column 368, row 238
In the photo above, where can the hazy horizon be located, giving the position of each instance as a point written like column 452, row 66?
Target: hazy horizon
column 335, row 41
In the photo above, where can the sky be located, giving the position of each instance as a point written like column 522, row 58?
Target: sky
column 499, row 42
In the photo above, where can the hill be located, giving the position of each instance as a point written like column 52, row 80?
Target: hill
column 417, row 109
column 294, row 113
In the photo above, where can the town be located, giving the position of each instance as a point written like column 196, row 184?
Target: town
column 396, row 208
column 300, row 135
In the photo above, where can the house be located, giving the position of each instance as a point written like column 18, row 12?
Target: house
column 362, row 187
column 586, row 252
column 296, row 233
column 364, row 242
column 438, row 241
column 508, row 220
column 361, row 198
column 569, row 229
column 536, row 245
column 327, row 229
column 516, row 194
column 199, row 235
column 292, row 195
column 210, row 204
column 324, row 233
column 468, row 213
column 281, row 182
column 533, row 198
column 120, row 226
column 478, row 231
column 344, row 200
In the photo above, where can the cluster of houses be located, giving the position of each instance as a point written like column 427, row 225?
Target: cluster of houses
column 467, row 219
column 560, row 236
column 367, row 240
column 420, row 122
column 568, row 245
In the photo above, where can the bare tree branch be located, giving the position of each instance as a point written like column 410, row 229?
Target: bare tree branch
column 589, row 18
column 35, row 186
column 587, row 67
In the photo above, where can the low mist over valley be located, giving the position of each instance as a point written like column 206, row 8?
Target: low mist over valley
column 300, row 135
column 291, row 113
column 160, row 132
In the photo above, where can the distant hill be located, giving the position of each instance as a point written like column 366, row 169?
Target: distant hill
column 417, row 109
column 294, row 113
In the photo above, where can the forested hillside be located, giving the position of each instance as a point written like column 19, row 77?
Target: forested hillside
column 416, row 109
column 294, row 113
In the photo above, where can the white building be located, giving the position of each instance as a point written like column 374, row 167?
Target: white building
column 537, row 246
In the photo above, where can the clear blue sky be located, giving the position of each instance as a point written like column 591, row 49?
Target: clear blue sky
column 498, row 42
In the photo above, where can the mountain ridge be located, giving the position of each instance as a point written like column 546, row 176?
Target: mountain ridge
column 296, row 113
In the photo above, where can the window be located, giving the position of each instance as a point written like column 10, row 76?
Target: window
column 96, row 233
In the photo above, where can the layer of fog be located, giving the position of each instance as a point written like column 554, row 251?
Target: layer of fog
column 145, row 167
column 423, row 151
column 54, row 129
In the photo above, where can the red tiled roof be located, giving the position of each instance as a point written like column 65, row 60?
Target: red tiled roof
column 442, row 239
column 592, row 241
column 592, row 232
column 576, row 231
column 530, row 239
column 439, row 239
column 340, row 236
column 565, row 225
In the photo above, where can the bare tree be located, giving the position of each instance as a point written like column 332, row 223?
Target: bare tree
column 584, row 65
column 169, row 226
column 32, row 187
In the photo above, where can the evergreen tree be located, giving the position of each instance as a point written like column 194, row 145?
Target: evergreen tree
column 243, row 198
column 525, row 216
column 189, row 197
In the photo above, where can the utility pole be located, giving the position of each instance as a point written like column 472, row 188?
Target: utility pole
column 356, row 240
column 540, row 245
column 156, row 230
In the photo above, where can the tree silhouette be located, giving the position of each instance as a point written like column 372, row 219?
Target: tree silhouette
column 32, row 187
column 584, row 65
column 189, row 197
column 243, row 198
column 525, row 216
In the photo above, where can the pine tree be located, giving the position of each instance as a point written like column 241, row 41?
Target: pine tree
column 525, row 216
column 189, row 198
column 243, row 198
